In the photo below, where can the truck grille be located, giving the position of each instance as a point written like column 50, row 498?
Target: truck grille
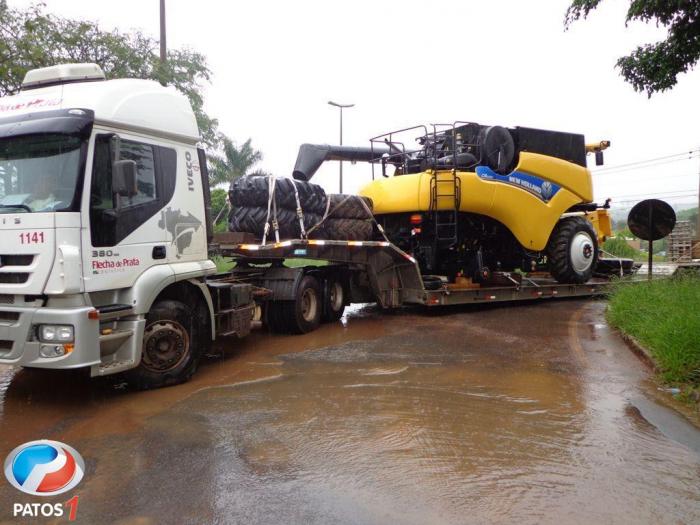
column 8, row 316
column 16, row 260
column 14, row 278
column 7, row 299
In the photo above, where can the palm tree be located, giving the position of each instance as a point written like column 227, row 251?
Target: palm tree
column 233, row 163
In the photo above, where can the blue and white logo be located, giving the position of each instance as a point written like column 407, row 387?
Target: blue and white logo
column 547, row 190
column 543, row 189
column 44, row 468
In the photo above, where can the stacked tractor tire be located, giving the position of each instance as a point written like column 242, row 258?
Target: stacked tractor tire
column 347, row 217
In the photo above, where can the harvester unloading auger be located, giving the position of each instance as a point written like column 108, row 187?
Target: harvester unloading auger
column 472, row 199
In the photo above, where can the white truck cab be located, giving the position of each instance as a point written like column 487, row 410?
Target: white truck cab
column 103, row 227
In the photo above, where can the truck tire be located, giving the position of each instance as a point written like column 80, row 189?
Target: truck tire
column 171, row 347
column 300, row 316
column 572, row 251
column 348, row 229
column 333, row 301
column 349, row 206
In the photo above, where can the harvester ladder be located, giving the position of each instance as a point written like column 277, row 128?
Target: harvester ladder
column 445, row 185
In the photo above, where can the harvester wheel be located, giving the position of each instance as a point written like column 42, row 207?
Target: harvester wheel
column 349, row 206
column 253, row 191
column 348, row 229
column 572, row 250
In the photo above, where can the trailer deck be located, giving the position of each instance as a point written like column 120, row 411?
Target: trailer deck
column 396, row 279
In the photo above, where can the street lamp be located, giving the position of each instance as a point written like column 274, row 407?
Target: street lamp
column 341, row 106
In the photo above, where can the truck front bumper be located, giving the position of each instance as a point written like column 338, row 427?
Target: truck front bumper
column 20, row 346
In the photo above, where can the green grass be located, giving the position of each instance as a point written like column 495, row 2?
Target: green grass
column 296, row 263
column 664, row 316
column 224, row 264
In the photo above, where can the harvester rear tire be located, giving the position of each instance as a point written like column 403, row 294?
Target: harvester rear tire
column 348, row 229
column 252, row 191
column 349, row 206
column 252, row 220
column 572, row 251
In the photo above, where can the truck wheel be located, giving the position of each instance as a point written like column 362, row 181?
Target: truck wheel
column 334, row 301
column 300, row 316
column 171, row 348
column 573, row 250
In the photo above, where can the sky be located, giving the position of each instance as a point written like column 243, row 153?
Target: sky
column 276, row 64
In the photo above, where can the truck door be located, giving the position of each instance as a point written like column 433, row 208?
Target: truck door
column 126, row 235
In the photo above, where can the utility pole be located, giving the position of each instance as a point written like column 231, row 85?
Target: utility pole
column 341, row 106
column 695, row 244
column 163, row 46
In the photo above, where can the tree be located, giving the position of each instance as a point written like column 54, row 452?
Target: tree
column 32, row 38
column 655, row 67
column 233, row 161
column 218, row 204
column 618, row 246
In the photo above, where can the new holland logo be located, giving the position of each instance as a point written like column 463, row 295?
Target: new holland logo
column 547, row 189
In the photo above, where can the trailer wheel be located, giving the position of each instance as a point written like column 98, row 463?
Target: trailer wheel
column 573, row 250
column 300, row 316
column 171, row 348
column 334, row 301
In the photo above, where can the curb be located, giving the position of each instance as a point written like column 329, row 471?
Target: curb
column 642, row 352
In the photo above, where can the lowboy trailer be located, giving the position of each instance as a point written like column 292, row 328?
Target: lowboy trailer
column 375, row 271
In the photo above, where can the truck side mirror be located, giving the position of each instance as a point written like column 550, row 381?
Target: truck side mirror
column 599, row 158
column 124, row 178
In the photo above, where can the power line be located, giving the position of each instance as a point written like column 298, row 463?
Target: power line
column 654, row 194
column 662, row 178
column 688, row 153
column 644, row 166
column 667, row 197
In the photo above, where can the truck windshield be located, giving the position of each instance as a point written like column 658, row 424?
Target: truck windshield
column 38, row 173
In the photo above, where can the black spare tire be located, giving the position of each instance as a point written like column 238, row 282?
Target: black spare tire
column 348, row 229
column 253, row 191
column 252, row 220
column 349, row 206
column 497, row 149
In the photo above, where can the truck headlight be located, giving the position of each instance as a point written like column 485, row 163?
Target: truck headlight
column 55, row 333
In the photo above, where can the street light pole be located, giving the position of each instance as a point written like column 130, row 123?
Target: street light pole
column 341, row 106
column 163, row 47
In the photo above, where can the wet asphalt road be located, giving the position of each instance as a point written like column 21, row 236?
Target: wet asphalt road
column 526, row 414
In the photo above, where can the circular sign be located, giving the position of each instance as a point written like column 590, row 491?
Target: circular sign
column 651, row 219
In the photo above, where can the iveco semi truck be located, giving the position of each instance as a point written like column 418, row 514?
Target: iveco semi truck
column 105, row 235
column 103, row 230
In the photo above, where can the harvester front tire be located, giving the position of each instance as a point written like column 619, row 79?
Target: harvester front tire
column 572, row 251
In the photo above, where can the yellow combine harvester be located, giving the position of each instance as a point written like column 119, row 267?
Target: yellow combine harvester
column 471, row 200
